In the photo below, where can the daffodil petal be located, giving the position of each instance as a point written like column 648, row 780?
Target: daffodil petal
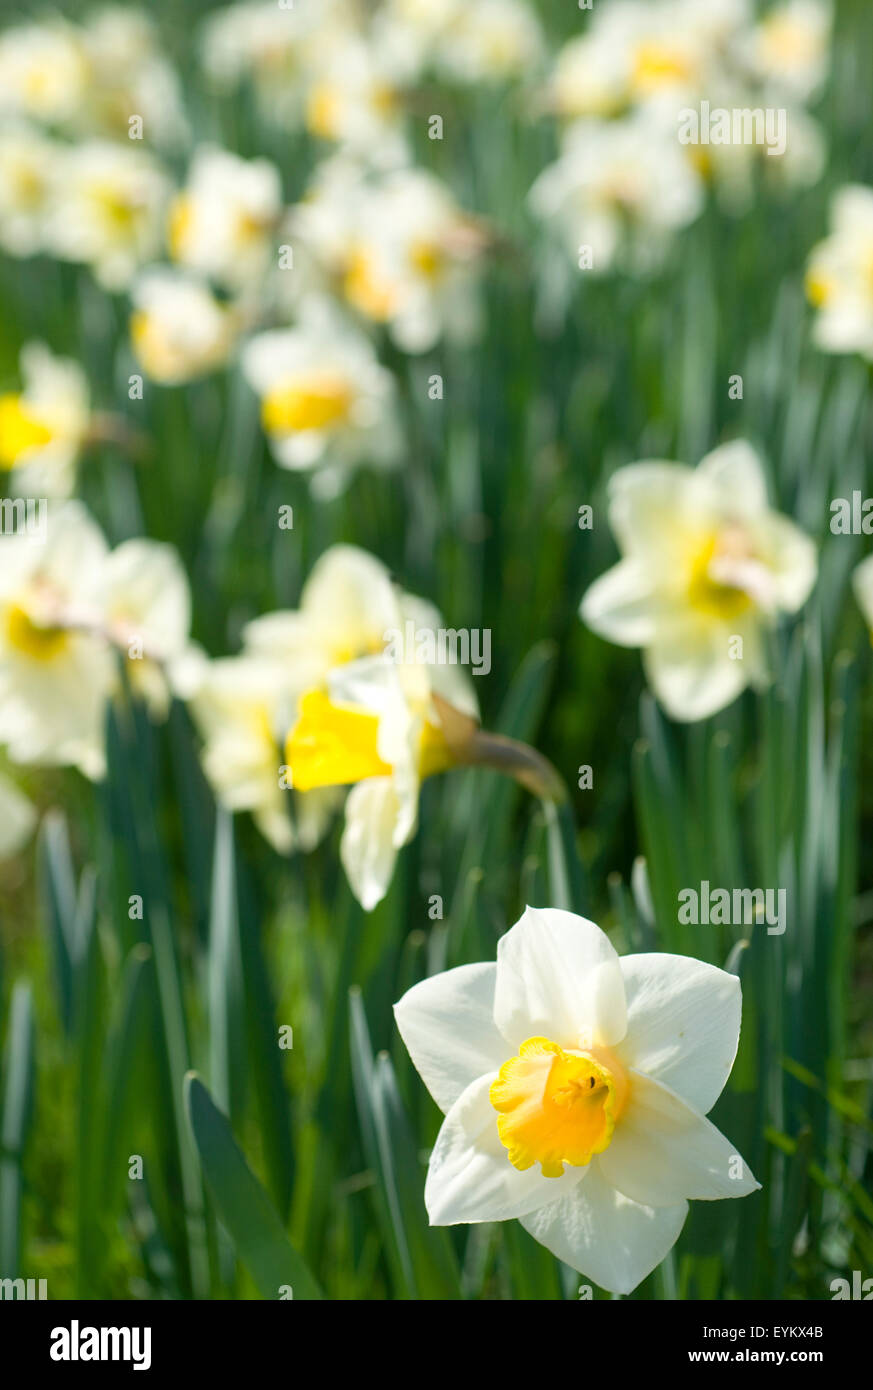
column 601, row 1233
column 664, row 1151
column 558, row 976
column 734, row 471
column 447, row 1024
column 683, row 1024
column 695, row 675
column 621, row 605
column 376, row 818
column 470, row 1178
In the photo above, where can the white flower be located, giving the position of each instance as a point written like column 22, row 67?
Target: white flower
column 108, row 209
column 839, row 277
column 222, row 223
column 17, row 818
column 27, row 163
column 178, row 329
column 707, row 566
column 241, row 706
column 790, row 48
column 43, row 72
column 355, row 716
column 491, row 41
column 575, row 1087
column 56, row 671
column 44, row 426
column 326, row 402
column 353, row 96
column 146, row 613
column 400, row 247
column 862, row 582
column 128, row 76
column 619, row 187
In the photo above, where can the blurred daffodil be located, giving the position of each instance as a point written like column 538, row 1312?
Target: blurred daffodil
column 222, row 223
column 839, row 276
column 575, row 1086
column 27, row 165
column 706, row 567
column 43, row 72
column 178, row 328
column 44, row 426
column 326, row 403
column 107, row 209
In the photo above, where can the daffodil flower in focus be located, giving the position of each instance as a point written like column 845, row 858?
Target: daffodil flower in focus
column 575, row 1086
column 706, row 568
column 839, row 276
column 326, row 403
column 178, row 328
column 44, row 426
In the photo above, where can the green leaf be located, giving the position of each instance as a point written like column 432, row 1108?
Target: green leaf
column 243, row 1206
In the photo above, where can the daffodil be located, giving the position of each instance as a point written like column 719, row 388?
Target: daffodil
column 575, row 1086
column 398, row 247
column 107, row 209
column 17, row 818
column 27, row 163
column 492, row 41
column 839, row 276
column 354, row 95
column 619, row 188
column 43, row 426
column 43, row 72
column 707, row 566
column 222, row 223
column 178, row 328
column 326, row 403
column 56, row 670
column 146, row 614
column 789, row 49
column 128, row 76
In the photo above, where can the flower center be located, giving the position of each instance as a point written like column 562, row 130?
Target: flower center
column 20, row 430
column 335, row 745
column 315, row 402
column 656, row 66
column 709, row 590
column 367, row 288
column 555, row 1106
column 40, row 641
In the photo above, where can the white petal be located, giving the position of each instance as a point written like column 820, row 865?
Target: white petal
column 648, row 501
column 368, row 848
column 692, row 672
column 447, row 1024
column 735, row 471
column 683, row 1024
column 470, row 1177
column 663, row 1151
column 606, row 1236
column 558, row 976
column 622, row 606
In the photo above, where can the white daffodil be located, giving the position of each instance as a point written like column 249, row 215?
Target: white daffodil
column 354, row 96
column 27, row 163
column 243, row 710
column 575, row 1086
column 492, row 41
column 17, row 818
column 56, row 669
column 146, row 614
column 43, row 72
column 789, row 49
column 179, row 330
column 862, row 582
column 706, row 567
column 108, row 209
column 223, row 222
column 129, row 77
column 839, row 276
column 401, row 250
column 326, row 403
column 44, row 425
column 620, row 188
